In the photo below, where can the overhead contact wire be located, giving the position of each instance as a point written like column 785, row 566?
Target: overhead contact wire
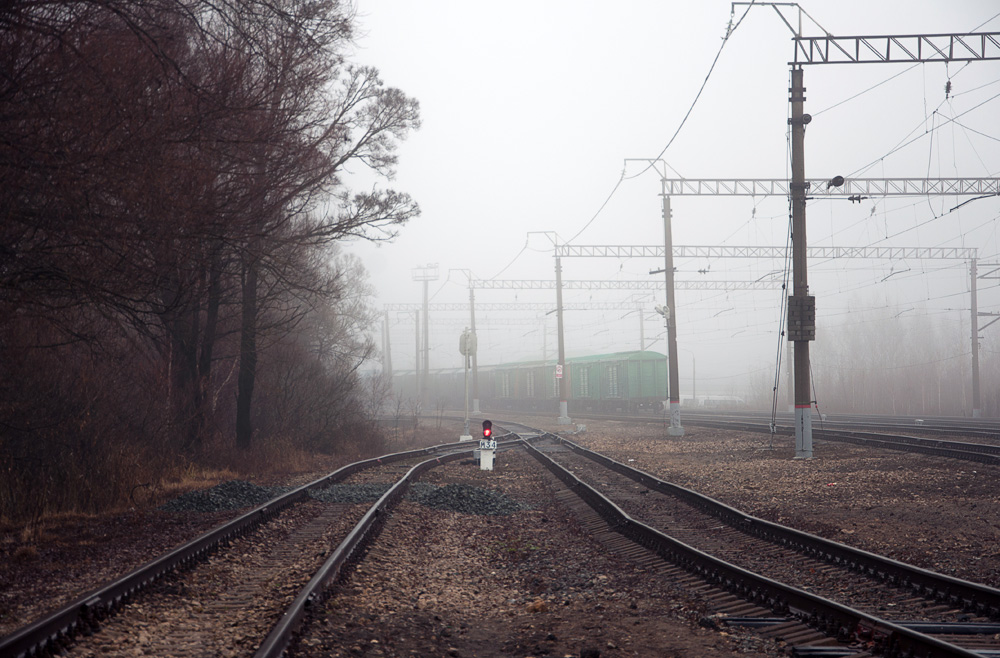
column 730, row 29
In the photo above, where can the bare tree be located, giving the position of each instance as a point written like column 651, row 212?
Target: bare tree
column 171, row 198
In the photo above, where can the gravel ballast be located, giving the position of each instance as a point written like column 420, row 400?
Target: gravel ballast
column 237, row 494
column 231, row 495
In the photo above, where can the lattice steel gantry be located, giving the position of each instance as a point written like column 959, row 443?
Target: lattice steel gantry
column 829, row 49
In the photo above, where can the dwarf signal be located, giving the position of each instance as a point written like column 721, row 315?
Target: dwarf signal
column 487, row 446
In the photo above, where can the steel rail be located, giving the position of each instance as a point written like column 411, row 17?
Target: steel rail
column 350, row 549
column 981, row 432
column 977, row 452
column 972, row 597
column 982, row 453
column 58, row 628
column 981, row 428
column 827, row 616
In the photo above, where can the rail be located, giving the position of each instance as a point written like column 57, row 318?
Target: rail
column 350, row 549
column 972, row 597
column 57, row 629
column 827, row 616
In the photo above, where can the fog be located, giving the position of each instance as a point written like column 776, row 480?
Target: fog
column 538, row 119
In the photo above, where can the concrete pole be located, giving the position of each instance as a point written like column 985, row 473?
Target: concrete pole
column 387, row 354
column 642, row 333
column 561, row 367
column 465, row 362
column 673, row 379
column 545, row 343
column 475, row 359
column 416, row 358
column 976, row 400
column 427, row 349
column 801, row 307
column 790, row 377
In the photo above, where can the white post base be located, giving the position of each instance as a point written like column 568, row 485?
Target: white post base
column 564, row 413
column 675, row 428
column 475, row 406
column 465, row 437
column 486, row 460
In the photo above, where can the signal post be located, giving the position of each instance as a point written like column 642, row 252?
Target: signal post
column 467, row 348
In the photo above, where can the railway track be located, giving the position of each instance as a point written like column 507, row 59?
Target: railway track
column 808, row 590
column 822, row 598
column 236, row 573
column 850, row 432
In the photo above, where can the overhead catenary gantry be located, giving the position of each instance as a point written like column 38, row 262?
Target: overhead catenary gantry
column 517, row 306
column 780, row 253
column 850, row 50
column 617, row 284
column 801, row 305
column 688, row 251
column 829, row 49
column 971, row 47
column 854, row 189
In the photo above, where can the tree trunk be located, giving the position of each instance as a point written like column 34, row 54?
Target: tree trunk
column 213, row 301
column 248, row 355
column 182, row 324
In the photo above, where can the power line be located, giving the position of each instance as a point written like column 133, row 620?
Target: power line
column 512, row 260
column 730, row 29
column 862, row 93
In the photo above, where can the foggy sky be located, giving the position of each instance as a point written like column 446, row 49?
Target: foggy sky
column 532, row 109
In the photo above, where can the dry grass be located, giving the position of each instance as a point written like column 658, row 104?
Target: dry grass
column 121, row 480
column 146, row 490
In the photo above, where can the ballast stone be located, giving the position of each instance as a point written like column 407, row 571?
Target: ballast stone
column 238, row 494
column 231, row 495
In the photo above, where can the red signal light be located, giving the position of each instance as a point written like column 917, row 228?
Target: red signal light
column 487, row 429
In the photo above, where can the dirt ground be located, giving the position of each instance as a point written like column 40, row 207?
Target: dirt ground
column 936, row 513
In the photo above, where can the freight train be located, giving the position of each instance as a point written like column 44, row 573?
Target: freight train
column 608, row 383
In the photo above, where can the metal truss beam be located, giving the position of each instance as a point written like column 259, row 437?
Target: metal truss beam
column 852, row 188
column 486, row 321
column 681, row 251
column 970, row 47
column 548, row 284
column 521, row 306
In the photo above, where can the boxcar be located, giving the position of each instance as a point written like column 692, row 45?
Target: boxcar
column 617, row 382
